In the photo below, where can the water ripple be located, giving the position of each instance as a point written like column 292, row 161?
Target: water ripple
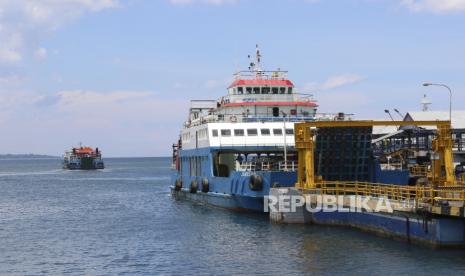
column 122, row 221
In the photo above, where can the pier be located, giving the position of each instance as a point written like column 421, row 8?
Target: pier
column 430, row 212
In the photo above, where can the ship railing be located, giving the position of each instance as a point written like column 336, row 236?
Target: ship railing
column 244, row 118
column 266, row 166
column 253, row 119
column 246, row 166
column 392, row 166
column 273, row 97
column 409, row 195
column 419, row 170
column 288, row 166
column 262, row 75
column 290, row 144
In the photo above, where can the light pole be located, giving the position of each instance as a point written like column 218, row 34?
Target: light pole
column 398, row 112
column 450, row 96
column 285, row 143
column 389, row 113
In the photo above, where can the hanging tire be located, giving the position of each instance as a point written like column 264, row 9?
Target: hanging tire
column 178, row 185
column 255, row 183
column 194, row 186
column 205, row 186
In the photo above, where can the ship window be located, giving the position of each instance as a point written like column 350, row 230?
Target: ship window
column 274, row 90
column 256, row 90
column 238, row 132
column 289, row 131
column 289, row 90
column 265, row 131
column 248, row 90
column 225, row 132
column 277, row 131
column 252, row 132
column 240, row 90
column 265, row 90
column 275, row 111
column 282, row 90
column 215, row 133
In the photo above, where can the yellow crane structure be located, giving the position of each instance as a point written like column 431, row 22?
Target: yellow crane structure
column 441, row 145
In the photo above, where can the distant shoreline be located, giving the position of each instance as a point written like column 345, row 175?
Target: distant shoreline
column 27, row 156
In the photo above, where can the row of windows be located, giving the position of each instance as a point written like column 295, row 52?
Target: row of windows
column 186, row 137
column 263, row 90
column 202, row 134
column 252, row 132
column 194, row 164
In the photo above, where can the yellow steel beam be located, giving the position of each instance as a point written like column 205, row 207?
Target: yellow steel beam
column 443, row 145
column 304, row 145
column 374, row 123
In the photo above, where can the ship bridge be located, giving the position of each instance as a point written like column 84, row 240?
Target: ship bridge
column 262, row 94
column 256, row 95
column 265, row 94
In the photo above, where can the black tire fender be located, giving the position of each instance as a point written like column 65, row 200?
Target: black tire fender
column 194, row 186
column 205, row 185
column 178, row 185
column 255, row 182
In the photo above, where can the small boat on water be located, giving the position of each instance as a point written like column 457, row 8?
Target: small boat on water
column 83, row 158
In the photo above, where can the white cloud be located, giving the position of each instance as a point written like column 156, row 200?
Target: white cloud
column 128, row 123
column 10, row 80
column 208, row 2
column 179, row 85
column 24, row 23
column 9, row 48
column 333, row 82
column 352, row 102
column 435, row 6
column 40, row 53
column 82, row 98
column 218, row 84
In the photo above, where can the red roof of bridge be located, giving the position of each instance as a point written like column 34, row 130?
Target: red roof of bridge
column 262, row 82
column 84, row 150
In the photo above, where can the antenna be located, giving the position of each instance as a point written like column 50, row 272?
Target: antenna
column 251, row 64
column 425, row 102
column 258, row 58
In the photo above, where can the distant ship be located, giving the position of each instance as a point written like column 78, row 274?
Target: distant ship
column 83, row 158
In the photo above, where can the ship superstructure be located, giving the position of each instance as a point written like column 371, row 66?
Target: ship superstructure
column 232, row 150
column 83, row 158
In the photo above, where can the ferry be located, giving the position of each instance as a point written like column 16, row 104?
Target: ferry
column 231, row 151
column 83, row 158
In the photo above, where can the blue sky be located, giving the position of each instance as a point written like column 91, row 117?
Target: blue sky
column 119, row 74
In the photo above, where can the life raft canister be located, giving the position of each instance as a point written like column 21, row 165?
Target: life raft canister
column 194, row 186
column 205, row 185
column 255, row 182
column 178, row 185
